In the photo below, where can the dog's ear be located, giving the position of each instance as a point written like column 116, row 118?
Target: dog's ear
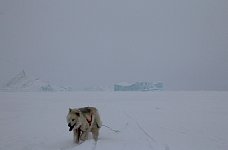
column 70, row 109
column 78, row 114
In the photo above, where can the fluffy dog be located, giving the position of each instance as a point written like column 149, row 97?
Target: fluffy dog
column 82, row 121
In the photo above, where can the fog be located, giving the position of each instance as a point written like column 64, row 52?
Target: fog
column 81, row 43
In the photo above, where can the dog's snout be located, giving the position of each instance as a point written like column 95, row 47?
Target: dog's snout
column 69, row 125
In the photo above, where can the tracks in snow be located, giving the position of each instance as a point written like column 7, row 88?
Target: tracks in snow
column 153, row 144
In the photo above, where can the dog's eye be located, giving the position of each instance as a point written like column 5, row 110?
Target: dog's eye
column 73, row 119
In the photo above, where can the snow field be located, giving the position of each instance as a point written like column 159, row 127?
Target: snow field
column 146, row 120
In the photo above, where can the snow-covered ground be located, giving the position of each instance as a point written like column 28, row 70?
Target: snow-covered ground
column 146, row 120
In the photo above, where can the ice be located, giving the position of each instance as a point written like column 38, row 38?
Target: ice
column 138, row 86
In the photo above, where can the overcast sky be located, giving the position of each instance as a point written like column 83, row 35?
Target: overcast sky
column 183, row 43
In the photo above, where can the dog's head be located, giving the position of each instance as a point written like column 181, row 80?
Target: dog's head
column 73, row 119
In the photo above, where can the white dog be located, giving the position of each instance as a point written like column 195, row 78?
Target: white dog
column 82, row 121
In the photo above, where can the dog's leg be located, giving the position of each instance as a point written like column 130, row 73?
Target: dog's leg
column 84, row 135
column 95, row 132
column 76, row 136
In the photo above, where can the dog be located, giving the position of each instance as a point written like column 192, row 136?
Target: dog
column 82, row 121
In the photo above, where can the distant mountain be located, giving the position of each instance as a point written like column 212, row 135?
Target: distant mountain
column 22, row 82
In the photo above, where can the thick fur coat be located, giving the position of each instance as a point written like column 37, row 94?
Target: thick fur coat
column 82, row 121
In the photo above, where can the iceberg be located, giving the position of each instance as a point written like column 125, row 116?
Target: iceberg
column 139, row 86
